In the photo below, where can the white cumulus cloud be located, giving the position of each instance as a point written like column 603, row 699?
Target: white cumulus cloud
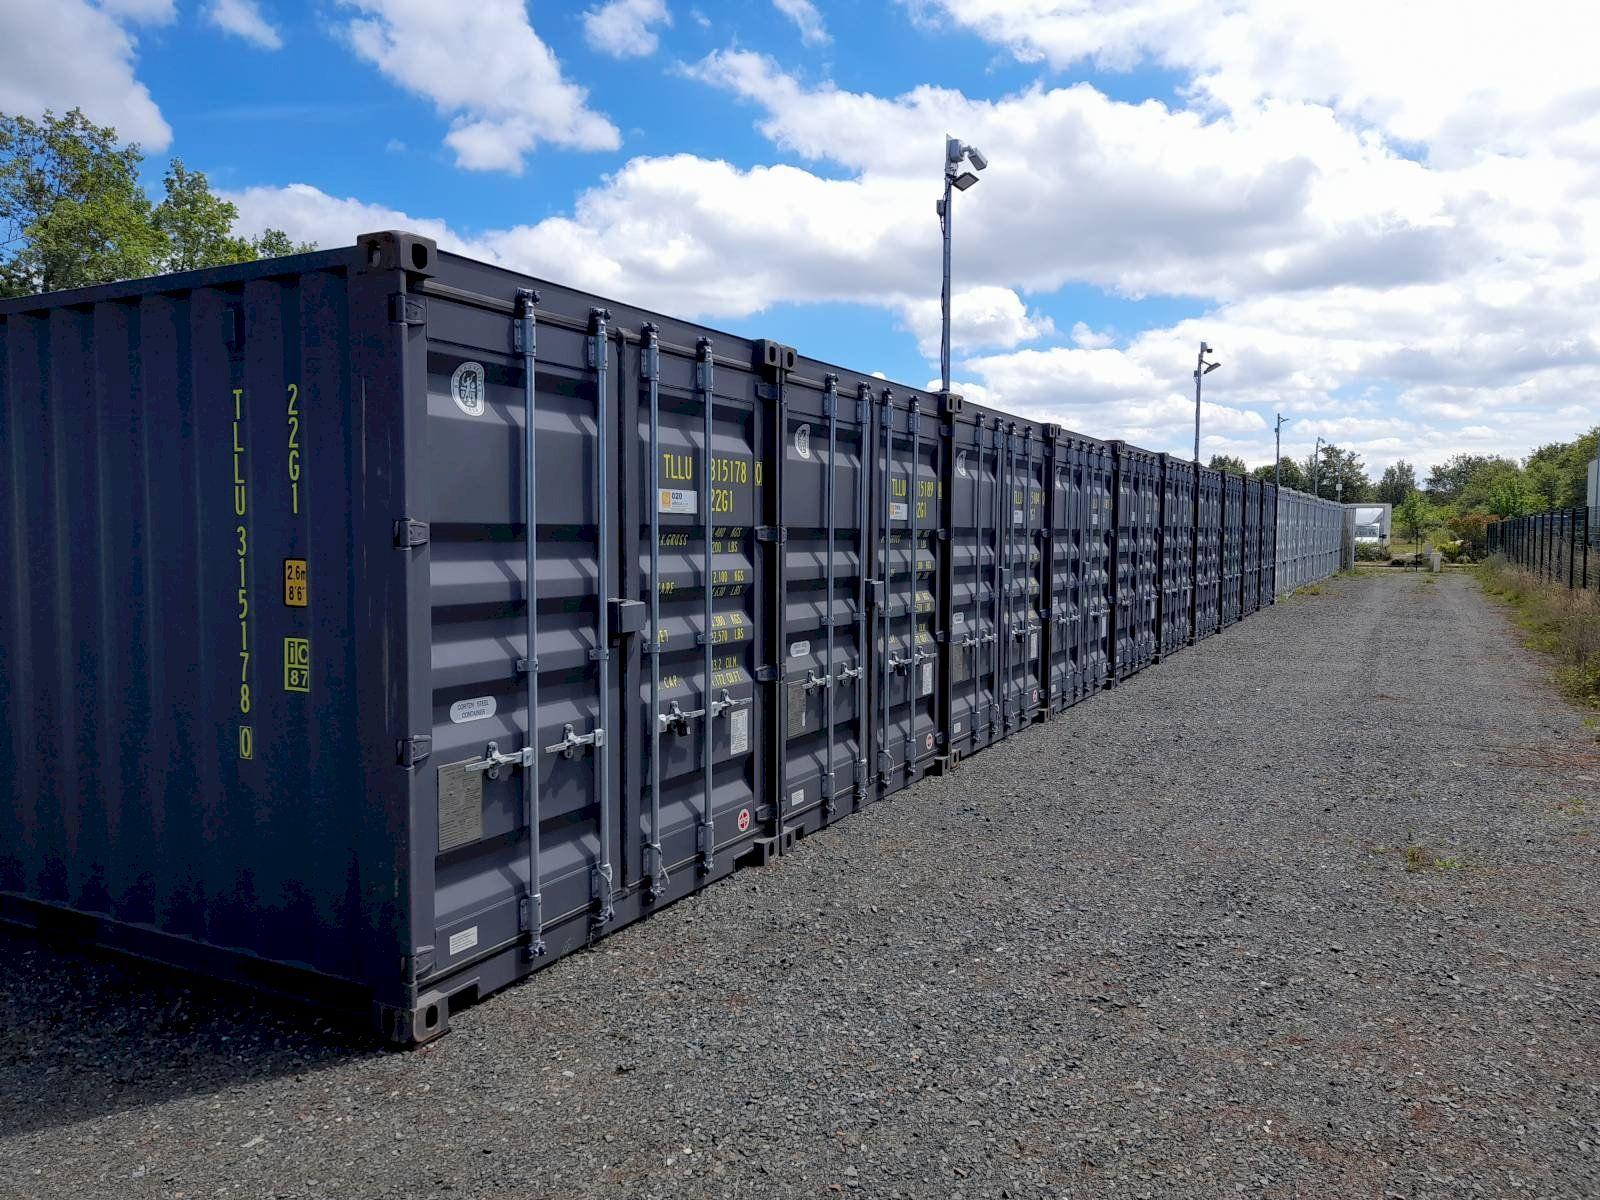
column 807, row 19
column 625, row 28
column 243, row 18
column 63, row 54
column 482, row 65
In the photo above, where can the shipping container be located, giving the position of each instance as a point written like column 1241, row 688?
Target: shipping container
column 1175, row 619
column 1268, row 571
column 1137, row 538
column 1208, row 552
column 388, row 624
column 1232, row 597
column 1250, row 578
column 1081, row 512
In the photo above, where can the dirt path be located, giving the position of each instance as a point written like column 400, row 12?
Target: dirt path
column 1166, row 945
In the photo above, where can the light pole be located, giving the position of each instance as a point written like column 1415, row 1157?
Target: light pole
column 1201, row 369
column 1316, row 470
column 1277, row 450
column 955, row 151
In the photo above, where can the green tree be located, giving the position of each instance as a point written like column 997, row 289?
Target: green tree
column 1293, row 476
column 1413, row 516
column 1510, row 496
column 1338, row 474
column 72, row 211
column 1228, row 462
column 1399, row 481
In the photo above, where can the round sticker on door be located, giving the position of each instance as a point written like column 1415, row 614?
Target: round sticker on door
column 961, row 463
column 466, row 388
column 927, row 742
column 744, row 819
column 802, row 441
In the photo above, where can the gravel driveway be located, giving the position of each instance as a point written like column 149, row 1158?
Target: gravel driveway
column 1309, row 910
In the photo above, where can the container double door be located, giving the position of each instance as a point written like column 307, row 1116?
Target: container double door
column 1138, row 531
column 632, row 624
column 1080, row 516
column 828, row 552
column 1250, row 582
column 1232, row 586
column 1207, row 552
column 907, row 543
column 1177, row 553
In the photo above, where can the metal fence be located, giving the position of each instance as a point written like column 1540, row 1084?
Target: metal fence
column 1310, row 535
column 1557, row 546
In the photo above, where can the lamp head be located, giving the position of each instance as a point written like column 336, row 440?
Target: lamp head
column 964, row 180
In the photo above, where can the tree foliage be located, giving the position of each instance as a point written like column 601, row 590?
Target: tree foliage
column 1292, row 475
column 1413, row 516
column 1338, row 474
column 1228, row 462
column 1399, row 481
column 73, row 212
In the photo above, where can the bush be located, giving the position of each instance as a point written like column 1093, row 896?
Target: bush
column 1561, row 621
column 1372, row 552
column 1452, row 551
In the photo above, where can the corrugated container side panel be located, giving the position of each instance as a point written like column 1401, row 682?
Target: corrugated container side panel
column 1208, row 552
column 166, row 768
column 1232, row 548
column 1251, row 572
column 1269, row 544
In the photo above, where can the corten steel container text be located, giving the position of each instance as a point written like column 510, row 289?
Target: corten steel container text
column 386, row 624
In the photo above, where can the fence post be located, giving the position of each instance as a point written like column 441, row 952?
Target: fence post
column 1572, row 547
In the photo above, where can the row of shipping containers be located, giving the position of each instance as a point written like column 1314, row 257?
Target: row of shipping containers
column 388, row 624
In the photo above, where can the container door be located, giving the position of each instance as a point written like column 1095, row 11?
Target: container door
column 699, row 728
column 494, row 773
column 1024, row 577
column 826, row 550
column 1099, row 541
column 909, row 446
column 974, row 705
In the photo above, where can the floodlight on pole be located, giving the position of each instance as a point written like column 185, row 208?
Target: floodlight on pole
column 1202, row 368
column 955, row 180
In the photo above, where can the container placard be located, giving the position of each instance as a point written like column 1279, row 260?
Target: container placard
column 475, row 709
column 899, row 510
column 739, row 731
column 460, row 806
column 678, row 500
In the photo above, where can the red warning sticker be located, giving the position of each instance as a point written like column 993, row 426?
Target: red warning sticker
column 744, row 819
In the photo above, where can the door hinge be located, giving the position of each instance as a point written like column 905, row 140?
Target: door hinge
column 771, row 533
column 417, row 966
column 406, row 309
column 409, row 534
column 412, row 750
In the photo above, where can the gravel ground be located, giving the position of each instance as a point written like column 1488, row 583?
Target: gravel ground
column 1165, row 946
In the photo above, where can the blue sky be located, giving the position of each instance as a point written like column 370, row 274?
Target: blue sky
column 1388, row 230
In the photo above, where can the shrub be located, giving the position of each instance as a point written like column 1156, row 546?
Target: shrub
column 1372, row 552
column 1561, row 621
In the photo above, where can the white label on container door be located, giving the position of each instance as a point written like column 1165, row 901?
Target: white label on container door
column 802, row 441
column 466, row 389
column 739, row 731
column 899, row 510
column 461, row 942
column 1033, row 645
column 476, row 709
column 796, row 649
column 678, row 500
column 960, row 620
column 927, row 679
column 1016, row 516
column 797, row 797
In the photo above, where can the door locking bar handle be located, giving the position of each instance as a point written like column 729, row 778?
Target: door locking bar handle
column 724, row 702
column 492, row 760
column 677, row 720
column 815, row 681
column 849, row 673
column 572, row 741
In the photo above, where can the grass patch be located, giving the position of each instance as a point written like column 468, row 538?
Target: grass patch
column 1558, row 621
column 1416, row 857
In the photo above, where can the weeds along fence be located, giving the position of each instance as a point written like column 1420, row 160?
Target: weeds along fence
column 1562, row 546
